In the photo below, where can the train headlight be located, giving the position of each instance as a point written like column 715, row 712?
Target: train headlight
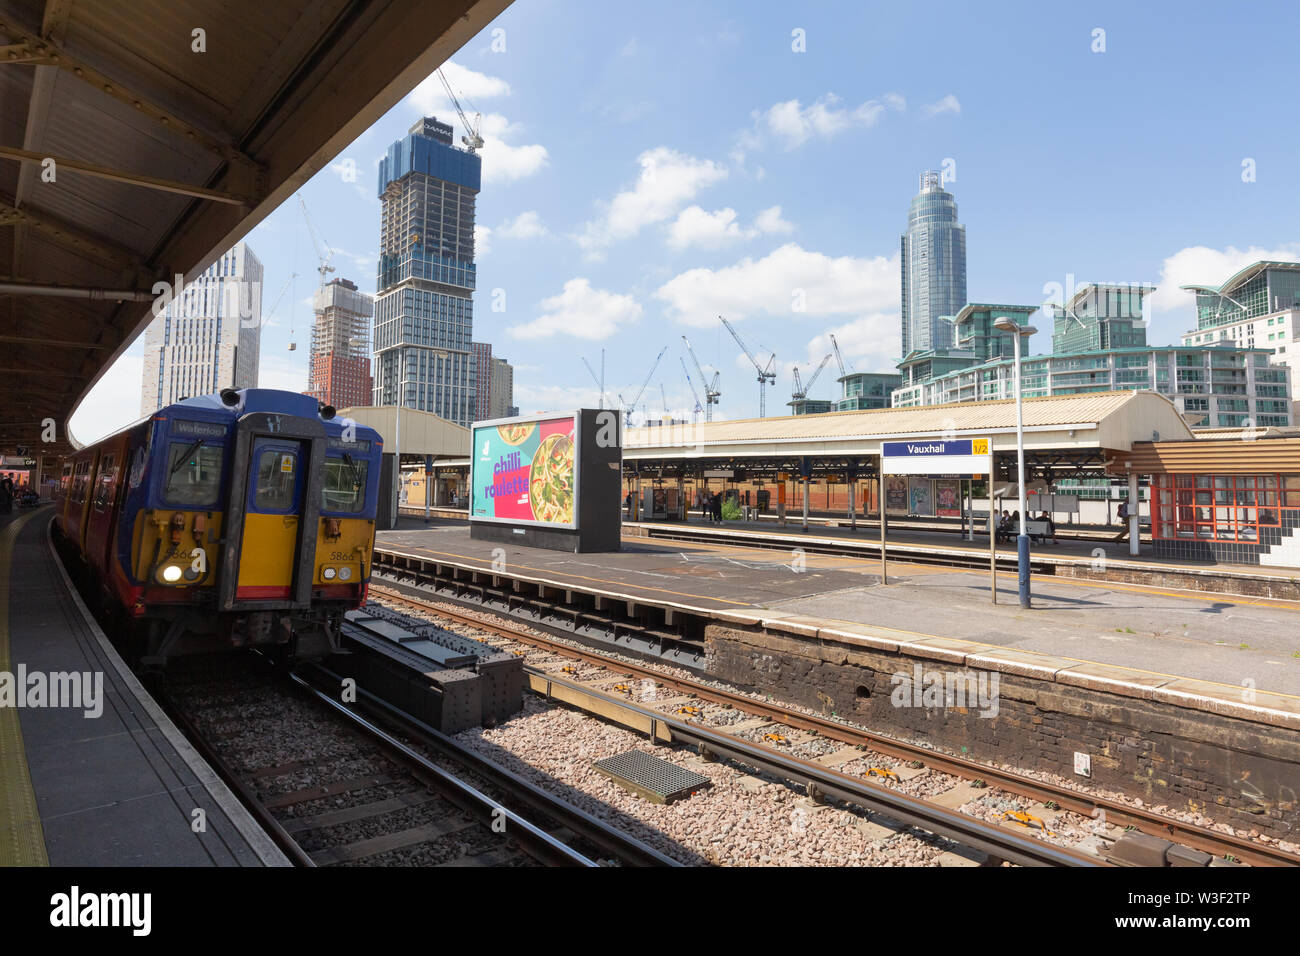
column 191, row 574
column 328, row 574
column 171, row 574
column 345, row 573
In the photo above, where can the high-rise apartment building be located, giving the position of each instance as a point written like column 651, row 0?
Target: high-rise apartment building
column 209, row 336
column 339, row 372
column 423, row 310
column 1100, row 316
column 483, row 381
column 501, row 389
column 1259, row 307
column 933, row 267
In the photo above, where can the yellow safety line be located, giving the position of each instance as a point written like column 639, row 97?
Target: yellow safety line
column 22, row 840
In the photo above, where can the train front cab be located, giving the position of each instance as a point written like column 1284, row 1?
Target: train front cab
column 277, row 576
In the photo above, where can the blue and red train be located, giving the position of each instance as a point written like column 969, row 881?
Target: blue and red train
column 242, row 518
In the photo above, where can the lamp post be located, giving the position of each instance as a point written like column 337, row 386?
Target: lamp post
column 1006, row 324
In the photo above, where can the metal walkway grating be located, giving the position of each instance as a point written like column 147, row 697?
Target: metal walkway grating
column 650, row 777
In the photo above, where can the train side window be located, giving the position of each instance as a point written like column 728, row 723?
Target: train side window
column 345, row 485
column 105, row 481
column 193, row 474
column 277, row 477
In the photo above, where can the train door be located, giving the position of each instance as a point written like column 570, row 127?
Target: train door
column 268, row 557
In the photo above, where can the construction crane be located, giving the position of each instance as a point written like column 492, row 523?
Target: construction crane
column 801, row 391
column 600, row 382
column 711, row 393
column 473, row 141
column 664, row 395
column 323, row 252
column 629, row 409
column 838, row 357
column 765, row 374
column 695, row 412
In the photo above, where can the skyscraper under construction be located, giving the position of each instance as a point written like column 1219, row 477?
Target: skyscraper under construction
column 424, row 321
column 340, row 345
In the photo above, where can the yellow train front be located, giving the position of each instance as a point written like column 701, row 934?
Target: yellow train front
column 244, row 518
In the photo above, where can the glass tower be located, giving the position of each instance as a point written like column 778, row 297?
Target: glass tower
column 424, row 320
column 933, row 266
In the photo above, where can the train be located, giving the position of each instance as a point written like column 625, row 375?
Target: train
column 245, row 518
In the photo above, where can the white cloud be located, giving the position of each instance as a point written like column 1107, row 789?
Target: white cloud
column 712, row 230
column 482, row 240
column 466, row 83
column 868, row 344
column 779, row 283
column 667, row 181
column 769, row 221
column 794, row 124
column 502, row 162
column 948, row 104
column 527, row 225
column 580, row 311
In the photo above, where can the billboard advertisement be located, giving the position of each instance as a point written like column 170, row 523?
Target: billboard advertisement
column 525, row 472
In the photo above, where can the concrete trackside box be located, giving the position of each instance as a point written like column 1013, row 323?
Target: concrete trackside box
column 548, row 481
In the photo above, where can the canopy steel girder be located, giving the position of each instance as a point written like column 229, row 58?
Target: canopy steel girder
column 121, row 176
column 33, row 50
column 63, row 233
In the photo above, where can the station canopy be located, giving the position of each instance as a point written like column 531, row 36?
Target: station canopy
column 422, row 433
column 140, row 140
column 1066, row 436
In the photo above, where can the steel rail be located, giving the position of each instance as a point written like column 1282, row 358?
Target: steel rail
column 1121, row 814
column 540, row 844
column 242, row 791
column 608, row 837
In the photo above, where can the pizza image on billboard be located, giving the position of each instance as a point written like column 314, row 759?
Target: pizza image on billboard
column 525, row 472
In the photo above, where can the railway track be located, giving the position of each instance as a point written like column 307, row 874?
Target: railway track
column 813, row 776
column 340, row 784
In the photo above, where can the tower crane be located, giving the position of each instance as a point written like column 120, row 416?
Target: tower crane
column 711, row 393
column 664, row 395
column 838, row 357
column 765, row 374
column 629, row 409
column 600, row 382
column 695, row 412
column 801, row 391
column 473, row 140
column 323, row 252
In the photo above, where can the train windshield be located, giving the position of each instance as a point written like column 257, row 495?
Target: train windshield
column 345, row 484
column 193, row 473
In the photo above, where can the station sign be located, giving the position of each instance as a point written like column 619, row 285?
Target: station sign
column 937, row 457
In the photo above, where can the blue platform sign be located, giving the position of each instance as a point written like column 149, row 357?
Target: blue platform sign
column 960, row 457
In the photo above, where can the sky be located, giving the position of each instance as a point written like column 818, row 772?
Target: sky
column 644, row 175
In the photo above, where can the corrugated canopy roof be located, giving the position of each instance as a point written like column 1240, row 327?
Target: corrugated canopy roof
column 165, row 156
column 1103, row 420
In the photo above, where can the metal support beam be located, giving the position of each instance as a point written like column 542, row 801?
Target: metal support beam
column 132, row 179
column 110, row 253
column 32, row 49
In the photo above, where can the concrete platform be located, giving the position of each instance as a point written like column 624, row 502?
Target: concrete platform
column 109, row 781
column 1162, row 634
